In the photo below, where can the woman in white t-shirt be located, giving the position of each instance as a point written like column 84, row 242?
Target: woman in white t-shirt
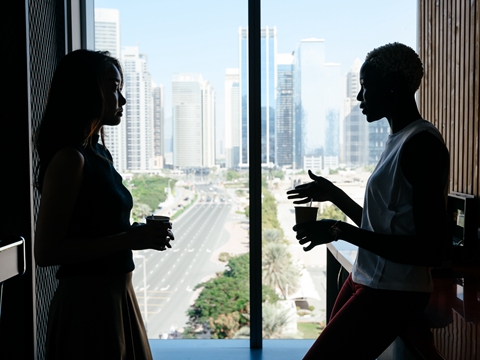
column 402, row 229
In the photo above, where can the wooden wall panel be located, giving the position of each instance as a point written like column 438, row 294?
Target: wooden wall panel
column 448, row 44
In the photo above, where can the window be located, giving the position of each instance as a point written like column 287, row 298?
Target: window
column 188, row 123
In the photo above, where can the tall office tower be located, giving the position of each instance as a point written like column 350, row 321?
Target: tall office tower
column 107, row 38
column 139, row 114
column 269, row 84
column 318, row 104
column 378, row 132
column 158, row 125
column 193, row 105
column 208, row 124
column 285, row 111
column 232, row 118
column 355, row 141
column 310, row 94
column 333, row 111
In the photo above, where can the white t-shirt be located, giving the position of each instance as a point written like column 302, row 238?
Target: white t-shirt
column 388, row 210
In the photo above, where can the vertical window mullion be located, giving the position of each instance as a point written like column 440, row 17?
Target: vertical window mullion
column 255, row 173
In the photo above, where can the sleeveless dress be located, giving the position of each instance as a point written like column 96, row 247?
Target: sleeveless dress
column 94, row 313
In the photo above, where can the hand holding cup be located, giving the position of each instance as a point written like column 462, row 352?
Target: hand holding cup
column 305, row 214
column 163, row 225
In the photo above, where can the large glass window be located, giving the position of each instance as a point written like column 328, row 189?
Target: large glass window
column 184, row 151
column 318, row 48
column 180, row 149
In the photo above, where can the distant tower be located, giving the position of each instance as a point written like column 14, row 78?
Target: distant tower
column 232, row 118
column 268, row 41
column 285, row 111
column 310, row 94
column 193, row 104
column 355, row 143
column 318, row 106
column 139, row 114
column 158, row 125
column 107, row 38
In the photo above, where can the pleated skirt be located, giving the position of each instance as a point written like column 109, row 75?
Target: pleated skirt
column 96, row 318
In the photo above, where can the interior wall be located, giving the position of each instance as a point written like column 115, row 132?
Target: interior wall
column 33, row 40
column 448, row 42
column 448, row 38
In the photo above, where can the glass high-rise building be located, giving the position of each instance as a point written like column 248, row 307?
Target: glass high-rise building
column 310, row 94
column 268, row 84
column 158, row 125
column 193, row 105
column 355, row 142
column 363, row 142
column 232, row 118
column 285, row 111
column 107, row 38
column 318, row 105
column 139, row 110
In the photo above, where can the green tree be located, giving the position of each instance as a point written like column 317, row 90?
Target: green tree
column 140, row 210
column 278, row 271
column 332, row 212
column 149, row 189
column 274, row 320
column 233, row 175
column 223, row 303
column 272, row 236
column 269, row 211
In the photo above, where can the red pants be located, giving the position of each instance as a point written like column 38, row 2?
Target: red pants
column 365, row 321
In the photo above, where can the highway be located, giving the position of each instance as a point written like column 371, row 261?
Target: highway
column 171, row 276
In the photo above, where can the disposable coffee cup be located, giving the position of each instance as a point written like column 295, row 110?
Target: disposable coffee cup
column 160, row 222
column 305, row 214
column 157, row 220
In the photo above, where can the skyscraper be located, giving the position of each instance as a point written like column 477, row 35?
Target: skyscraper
column 310, row 94
column 268, row 96
column 193, row 105
column 139, row 110
column 318, row 105
column 107, row 38
column 232, row 118
column 355, row 143
column 158, row 125
column 378, row 132
column 107, row 31
column 285, row 111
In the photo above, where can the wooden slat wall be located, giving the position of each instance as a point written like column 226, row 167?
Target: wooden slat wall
column 448, row 44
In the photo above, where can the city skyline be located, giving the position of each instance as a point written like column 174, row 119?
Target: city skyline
column 177, row 39
column 315, row 127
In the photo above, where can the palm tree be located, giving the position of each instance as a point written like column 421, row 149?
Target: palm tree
column 278, row 269
column 274, row 320
column 272, row 236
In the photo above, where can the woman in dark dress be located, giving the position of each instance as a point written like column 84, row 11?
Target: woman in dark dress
column 83, row 223
column 401, row 229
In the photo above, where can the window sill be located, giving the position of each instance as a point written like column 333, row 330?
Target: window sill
column 229, row 349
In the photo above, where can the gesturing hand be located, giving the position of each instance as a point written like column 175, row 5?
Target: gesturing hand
column 320, row 189
column 316, row 232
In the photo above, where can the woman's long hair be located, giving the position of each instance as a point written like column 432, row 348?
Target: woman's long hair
column 75, row 105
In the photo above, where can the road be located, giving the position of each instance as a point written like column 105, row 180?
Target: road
column 171, row 276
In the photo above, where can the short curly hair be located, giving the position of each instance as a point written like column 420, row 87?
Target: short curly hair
column 399, row 60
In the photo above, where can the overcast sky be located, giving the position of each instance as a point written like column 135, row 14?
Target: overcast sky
column 201, row 36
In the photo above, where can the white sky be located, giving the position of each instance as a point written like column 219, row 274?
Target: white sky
column 202, row 35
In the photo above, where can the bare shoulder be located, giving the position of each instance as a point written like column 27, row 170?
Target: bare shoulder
column 68, row 156
column 66, row 165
